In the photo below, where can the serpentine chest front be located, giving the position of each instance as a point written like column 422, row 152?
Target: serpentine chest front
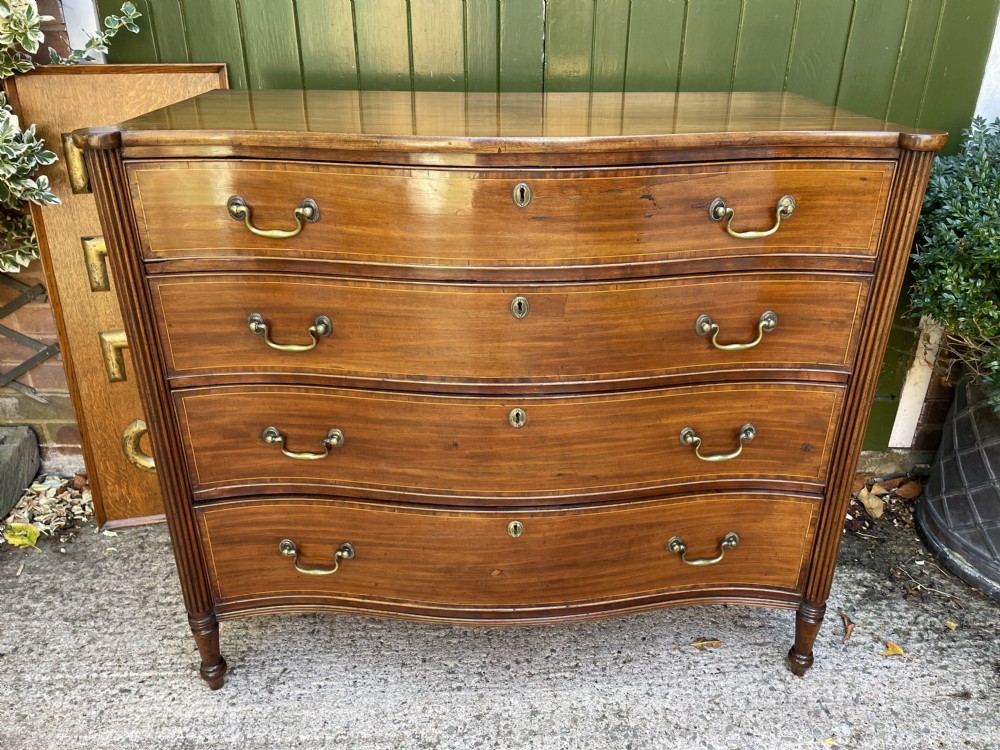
column 505, row 358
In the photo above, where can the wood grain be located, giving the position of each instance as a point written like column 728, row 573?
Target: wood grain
column 462, row 449
column 468, row 219
column 58, row 100
column 461, row 336
column 510, row 124
column 466, row 561
column 427, row 258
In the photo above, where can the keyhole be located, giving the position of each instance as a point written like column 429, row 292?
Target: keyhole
column 519, row 307
column 517, row 418
column 522, row 194
column 515, row 529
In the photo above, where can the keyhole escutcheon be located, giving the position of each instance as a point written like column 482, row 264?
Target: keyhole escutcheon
column 519, row 307
column 522, row 194
column 517, row 418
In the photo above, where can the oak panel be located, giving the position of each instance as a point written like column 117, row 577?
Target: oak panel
column 467, row 561
column 465, row 218
column 60, row 99
column 452, row 447
column 466, row 334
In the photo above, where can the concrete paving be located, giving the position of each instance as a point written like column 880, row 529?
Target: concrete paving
column 95, row 653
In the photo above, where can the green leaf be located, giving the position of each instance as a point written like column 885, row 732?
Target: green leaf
column 21, row 534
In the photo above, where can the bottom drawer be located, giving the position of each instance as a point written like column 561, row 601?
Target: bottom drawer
column 464, row 565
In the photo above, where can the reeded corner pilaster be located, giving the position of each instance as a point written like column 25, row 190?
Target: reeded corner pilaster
column 119, row 226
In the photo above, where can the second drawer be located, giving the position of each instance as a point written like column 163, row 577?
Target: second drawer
column 453, row 449
column 552, row 334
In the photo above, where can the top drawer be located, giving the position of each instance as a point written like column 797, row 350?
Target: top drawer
column 468, row 218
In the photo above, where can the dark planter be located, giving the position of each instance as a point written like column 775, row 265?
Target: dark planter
column 959, row 513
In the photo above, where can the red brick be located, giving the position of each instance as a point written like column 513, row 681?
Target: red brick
column 31, row 275
column 54, row 433
column 35, row 319
column 68, row 435
column 934, row 412
column 939, row 388
column 927, row 439
column 13, row 353
column 48, row 376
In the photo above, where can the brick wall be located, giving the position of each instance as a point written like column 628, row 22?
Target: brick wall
column 932, row 418
column 43, row 403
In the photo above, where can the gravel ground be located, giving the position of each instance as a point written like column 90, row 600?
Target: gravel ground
column 95, row 653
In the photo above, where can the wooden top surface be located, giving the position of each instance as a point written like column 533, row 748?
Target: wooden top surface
column 492, row 122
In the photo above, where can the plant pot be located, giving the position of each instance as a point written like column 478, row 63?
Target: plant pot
column 959, row 512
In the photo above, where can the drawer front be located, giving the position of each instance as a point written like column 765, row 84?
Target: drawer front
column 466, row 560
column 466, row 334
column 452, row 448
column 466, row 218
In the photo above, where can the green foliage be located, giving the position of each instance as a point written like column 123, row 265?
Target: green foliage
column 20, row 35
column 957, row 261
column 22, row 152
column 99, row 41
column 18, row 245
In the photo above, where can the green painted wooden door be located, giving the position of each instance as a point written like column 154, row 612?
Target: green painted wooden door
column 919, row 62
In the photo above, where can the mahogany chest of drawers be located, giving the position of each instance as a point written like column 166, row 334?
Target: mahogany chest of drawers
column 510, row 358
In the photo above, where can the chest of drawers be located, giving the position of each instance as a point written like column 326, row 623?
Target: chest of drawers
column 510, row 358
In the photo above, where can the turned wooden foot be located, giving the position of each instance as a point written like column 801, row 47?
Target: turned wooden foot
column 206, row 635
column 807, row 623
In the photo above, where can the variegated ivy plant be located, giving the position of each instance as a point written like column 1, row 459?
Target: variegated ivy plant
column 21, row 151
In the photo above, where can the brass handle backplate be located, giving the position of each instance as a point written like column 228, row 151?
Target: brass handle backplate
column 288, row 548
column 704, row 325
column 76, row 167
column 719, row 210
column 131, row 436
column 747, row 433
column 321, row 328
column 95, row 253
column 307, row 211
column 112, row 343
column 334, row 439
column 677, row 546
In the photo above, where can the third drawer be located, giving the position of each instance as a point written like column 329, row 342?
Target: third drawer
column 506, row 450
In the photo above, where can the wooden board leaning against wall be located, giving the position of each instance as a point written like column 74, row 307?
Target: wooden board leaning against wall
column 94, row 350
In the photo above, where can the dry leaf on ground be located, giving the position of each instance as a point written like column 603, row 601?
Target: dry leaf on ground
column 878, row 489
column 848, row 625
column 702, row 643
column 910, row 490
column 892, row 649
column 860, row 482
column 891, row 484
column 873, row 504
